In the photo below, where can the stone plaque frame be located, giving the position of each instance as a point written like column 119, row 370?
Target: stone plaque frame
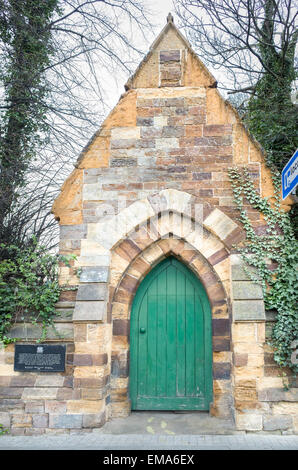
column 39, row 357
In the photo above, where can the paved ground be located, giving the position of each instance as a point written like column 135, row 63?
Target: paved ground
column 156, row 431
column 95, row 441
column 169, row 423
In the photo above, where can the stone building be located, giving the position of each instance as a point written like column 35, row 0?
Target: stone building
column 161, row 314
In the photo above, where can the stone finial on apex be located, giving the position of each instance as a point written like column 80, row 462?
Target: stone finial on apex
column 168, row 63
column 170, row 18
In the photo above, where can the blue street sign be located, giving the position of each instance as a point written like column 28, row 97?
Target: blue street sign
column 289, row 176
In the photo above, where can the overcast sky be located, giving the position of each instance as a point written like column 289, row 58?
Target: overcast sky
column 160, row 8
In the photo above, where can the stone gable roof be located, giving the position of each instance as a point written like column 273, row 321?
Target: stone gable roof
column 171, row 69
column 161, row 39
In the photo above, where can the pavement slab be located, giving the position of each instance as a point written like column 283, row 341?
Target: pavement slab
column 96, row 441
column 155, row 431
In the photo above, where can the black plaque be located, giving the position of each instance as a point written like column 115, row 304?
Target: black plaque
column 39, row 357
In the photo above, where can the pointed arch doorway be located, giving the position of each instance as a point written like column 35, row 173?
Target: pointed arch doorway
column 170, row 341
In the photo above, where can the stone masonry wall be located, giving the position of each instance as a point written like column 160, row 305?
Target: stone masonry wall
column 162, row 154
column 263, row 401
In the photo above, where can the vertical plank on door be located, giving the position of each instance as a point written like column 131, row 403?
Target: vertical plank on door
column 190, row 335
column 171, row 332
column 142, row 347
column 181, row 336
column 161, row 379
column 151, row 339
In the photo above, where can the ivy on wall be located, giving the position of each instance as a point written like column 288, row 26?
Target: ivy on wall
column 274, row 255
column 29, row 287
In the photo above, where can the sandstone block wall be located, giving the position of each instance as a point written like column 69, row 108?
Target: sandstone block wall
column 153, row 182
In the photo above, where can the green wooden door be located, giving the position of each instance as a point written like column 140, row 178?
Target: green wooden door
column 170, row 353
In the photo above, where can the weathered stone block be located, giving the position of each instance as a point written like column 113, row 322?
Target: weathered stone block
column 39, row 393
column 220, row 224
column 20, row 420
column 245, row 290
column 120, row 409
column 221, row 344
column 275, row 423
column 238, row 273
column 5, row 419
column 65, row 330
column 125, row 133
column 284, row 408
column 90, row 371
column 169, row 56
column 11, row 392
column 36, row 406
column 96, row 420
column 80, row 332
column 11, row 404
column 145, row 121
column 217, row 130
column 151, row 132
column 123, row 162
column 249, row 422
column 245, row 347
column 23, row 381
column 222, row 370
column 168, row 142
column 255, row 360
column 249, row 372
column 245, row 394
column 221, row 327
column 246, row 383
column 49, row 381
column 85, row 406
column 17, row 431
column 93, row 260
column 248, row 310
column 23, row 330
column 173, row 131
column 160, row 120
column 92, row 192
column 93, row 394
column 222, row 406
column 73, row 232
column 201, row 176
column 34, row 431
column 94, row 274
column 70, row 421
column 67, row 394
column 121, row 327
column 29, row 331
column 270, row 382
column 240, row 360
column 223, row 356
column 55, row 407
column 89, row 310
column 218, row 257
column 94, row 291
column 40, row 421
column 123, row 143
column 82, row 359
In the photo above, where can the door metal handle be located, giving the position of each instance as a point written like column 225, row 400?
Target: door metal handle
column 142, row 330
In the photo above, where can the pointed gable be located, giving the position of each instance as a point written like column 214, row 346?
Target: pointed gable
column 170, row 62
column 171, row 126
